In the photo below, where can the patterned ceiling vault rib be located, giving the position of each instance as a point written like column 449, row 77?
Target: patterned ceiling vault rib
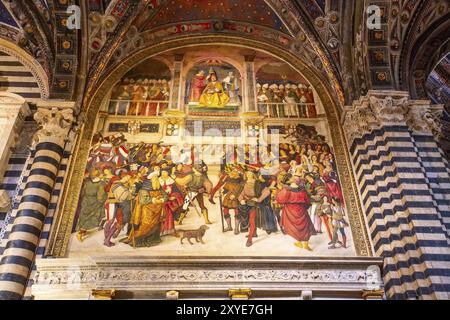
column 127, row 12
column 103, row 22
column 402, row 15
column 66, row 52
column 378, row 52
column 309, row 36
column 438, row 88
column 428, row 33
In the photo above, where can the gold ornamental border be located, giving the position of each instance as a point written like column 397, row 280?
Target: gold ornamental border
column 64, row 219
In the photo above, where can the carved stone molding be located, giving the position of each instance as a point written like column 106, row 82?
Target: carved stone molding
column 59, row 278
column 54, row 125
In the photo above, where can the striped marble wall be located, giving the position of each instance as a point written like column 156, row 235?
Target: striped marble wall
column 403, row 180
column 17, row 78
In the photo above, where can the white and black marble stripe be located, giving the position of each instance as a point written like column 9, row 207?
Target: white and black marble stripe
column 16, row 78
column 395, row 171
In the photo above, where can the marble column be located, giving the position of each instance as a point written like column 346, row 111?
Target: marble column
column 404, row 181
column 18, row 257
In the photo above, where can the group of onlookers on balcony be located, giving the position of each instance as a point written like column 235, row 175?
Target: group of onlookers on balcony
column 286, row 100
column 150, row 97
column 140, row 97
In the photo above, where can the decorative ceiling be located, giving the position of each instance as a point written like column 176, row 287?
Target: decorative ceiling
column 254, row 11
column 6, row 17
column 330, row 36
column 99, row 5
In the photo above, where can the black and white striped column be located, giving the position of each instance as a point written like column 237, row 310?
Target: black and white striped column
column 23, row 240
column 402, row 179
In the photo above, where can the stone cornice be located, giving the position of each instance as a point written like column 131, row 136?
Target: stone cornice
column 58, row 278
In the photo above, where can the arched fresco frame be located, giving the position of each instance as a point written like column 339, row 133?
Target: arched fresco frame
column 61, row 230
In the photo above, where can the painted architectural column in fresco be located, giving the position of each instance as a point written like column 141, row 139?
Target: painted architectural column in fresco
column 15, row 266
column 403, row 178
column 250, row 88
column 176, row 102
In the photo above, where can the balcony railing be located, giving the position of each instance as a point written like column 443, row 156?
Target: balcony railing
column 285, row 110
column 153, row 108
column 143, row 108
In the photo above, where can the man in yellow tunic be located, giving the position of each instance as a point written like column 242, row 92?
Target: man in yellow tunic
column 214, row 95
column 148, row 214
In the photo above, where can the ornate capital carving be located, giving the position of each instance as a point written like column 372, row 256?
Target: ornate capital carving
column 54, row 125
column 424, row 119
column 359, row 120
column 388, row 109
column 381, row 108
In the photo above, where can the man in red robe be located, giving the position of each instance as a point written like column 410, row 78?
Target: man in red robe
column 295, row 219
column 198, row 86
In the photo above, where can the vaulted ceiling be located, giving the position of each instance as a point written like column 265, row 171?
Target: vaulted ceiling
column 330, row 35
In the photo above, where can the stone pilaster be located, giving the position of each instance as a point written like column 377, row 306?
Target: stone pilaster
column 250, row 86
column 402, row 178
column 176, row 103
column 49, row 141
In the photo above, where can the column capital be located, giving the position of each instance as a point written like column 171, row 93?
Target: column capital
column 424, row 118
column 54, row 125
column 385, row 108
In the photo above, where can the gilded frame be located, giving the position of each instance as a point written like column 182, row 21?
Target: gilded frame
column 64, row 219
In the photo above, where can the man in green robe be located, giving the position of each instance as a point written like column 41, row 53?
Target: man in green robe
column 92, row 205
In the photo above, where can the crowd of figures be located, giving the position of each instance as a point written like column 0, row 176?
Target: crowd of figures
column 286, row 100
column 143, row 193
column 140, row 97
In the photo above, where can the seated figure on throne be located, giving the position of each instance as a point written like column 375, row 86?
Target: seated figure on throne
column 214, row 95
